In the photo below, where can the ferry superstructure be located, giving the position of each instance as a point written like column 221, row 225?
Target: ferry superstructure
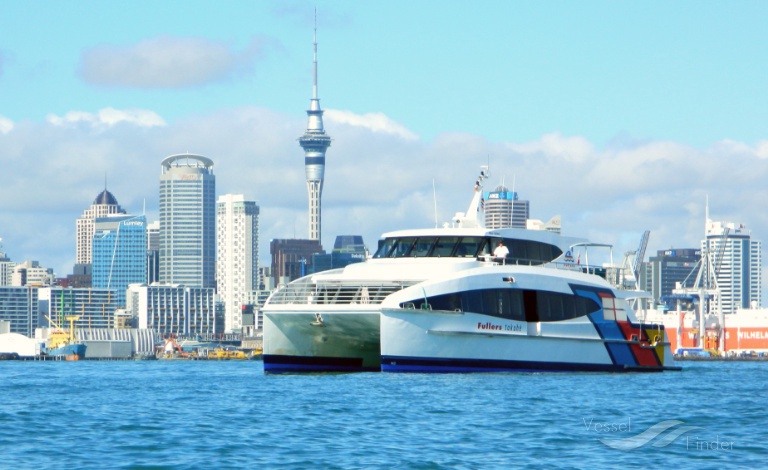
column 330, row 321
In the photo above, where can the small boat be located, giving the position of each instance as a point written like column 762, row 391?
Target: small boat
column 222, row 353
column 62, row 343
column 257, row 354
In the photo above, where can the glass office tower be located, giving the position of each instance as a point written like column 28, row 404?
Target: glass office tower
column 188, row 221
column 119, row 250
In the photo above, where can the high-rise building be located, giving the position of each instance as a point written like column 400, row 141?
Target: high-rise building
column 737, row 264
column 188, row 221
column 292, row 258
column 30, row 273
column 176, row 310
column 93, row 307
column 153, row 252
column 314, row 142
column 19, row 306
column 104, row 205
column 503, row 209
column 668, row 268
column 237, row 255
column 347, row 249
column 119, row 253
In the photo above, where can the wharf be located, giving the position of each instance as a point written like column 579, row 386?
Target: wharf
column 694, row 358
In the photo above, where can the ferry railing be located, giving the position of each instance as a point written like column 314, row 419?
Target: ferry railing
column 336, row 292
column 615, row 275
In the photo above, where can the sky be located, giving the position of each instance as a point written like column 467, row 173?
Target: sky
column 620, row 117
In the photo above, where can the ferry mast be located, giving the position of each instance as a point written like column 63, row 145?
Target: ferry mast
column 314, row 142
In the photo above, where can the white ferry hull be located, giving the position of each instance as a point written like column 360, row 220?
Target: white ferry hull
column 331, row 342
column 440, row 341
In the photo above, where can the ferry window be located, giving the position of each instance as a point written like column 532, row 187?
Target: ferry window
column 517, row 251
column 492, row 304
column 534, row 252
column 485, row 248
column 444, row 246
column 554, row 306
column 422, row 246
column 472, row 301
column 504, row 303
column 468, row 247
column 385, row 247
column 514, row 302
column 403, row 247
column 531, row 252
column 450, row 302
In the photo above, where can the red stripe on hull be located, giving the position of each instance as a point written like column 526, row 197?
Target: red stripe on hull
column 645, row 356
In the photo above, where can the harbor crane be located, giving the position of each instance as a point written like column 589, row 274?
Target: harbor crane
column 633, row 262
column 705, row 286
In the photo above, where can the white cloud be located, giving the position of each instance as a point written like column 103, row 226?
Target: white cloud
column 375, row 122
column 374, row 182
column 167, row 62
column 574, row 149
column 6, row 125
column 108, row 117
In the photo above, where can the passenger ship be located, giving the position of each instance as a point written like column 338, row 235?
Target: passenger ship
column 330, row 321
column 437, row 300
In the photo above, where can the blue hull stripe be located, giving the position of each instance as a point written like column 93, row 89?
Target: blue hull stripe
column 418, row 364
column 275, row 363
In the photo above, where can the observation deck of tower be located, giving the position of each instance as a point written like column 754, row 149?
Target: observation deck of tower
column 314, row 142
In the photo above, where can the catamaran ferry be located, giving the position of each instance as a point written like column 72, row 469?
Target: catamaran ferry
column 330, row 321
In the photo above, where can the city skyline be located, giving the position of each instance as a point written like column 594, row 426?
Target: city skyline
column 619, row 117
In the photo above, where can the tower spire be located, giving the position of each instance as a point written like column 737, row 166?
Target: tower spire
column 314, row 63
column 314, row 142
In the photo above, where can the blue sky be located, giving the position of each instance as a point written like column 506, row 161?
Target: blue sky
column 618, row 116
column 504, row 70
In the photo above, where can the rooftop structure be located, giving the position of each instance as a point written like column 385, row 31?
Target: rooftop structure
column 503, row 209
column 103, row 205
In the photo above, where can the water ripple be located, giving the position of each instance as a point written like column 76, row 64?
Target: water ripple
column 157, row 414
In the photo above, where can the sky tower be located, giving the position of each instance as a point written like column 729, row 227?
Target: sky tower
column 314, row 142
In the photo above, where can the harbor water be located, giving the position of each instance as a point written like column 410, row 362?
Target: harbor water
column 210, row 414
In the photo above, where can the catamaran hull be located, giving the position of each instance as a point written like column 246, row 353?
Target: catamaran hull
column 321, row 342
column 419, row 341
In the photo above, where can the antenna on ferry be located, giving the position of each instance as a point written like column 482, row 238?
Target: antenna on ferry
column 469, row 218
